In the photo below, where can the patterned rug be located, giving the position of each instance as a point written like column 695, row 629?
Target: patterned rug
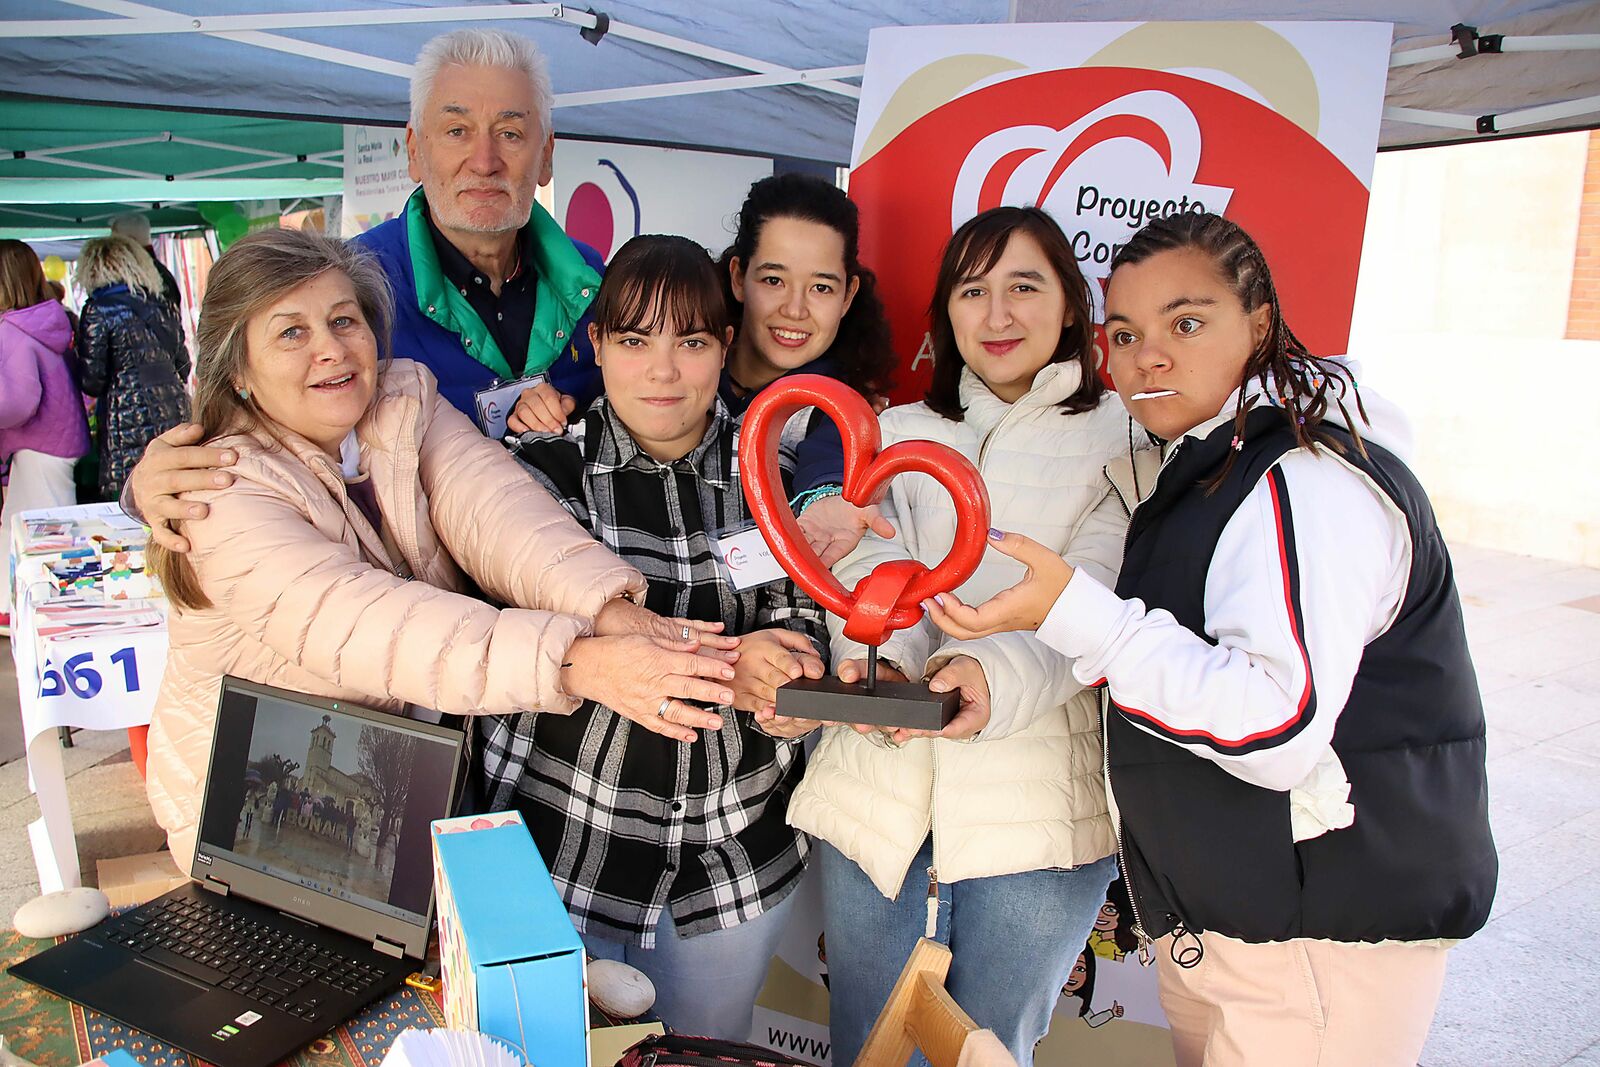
column 52, row 1032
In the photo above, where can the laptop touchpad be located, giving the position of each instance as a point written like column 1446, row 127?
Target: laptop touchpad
column 142, row 991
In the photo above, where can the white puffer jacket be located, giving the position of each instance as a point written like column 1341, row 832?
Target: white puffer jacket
column 1027, row 793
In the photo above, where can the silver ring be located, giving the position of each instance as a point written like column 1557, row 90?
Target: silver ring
column 661, row 712
column 686, row 633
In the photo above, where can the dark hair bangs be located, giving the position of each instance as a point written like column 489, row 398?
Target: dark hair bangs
column 657, row 283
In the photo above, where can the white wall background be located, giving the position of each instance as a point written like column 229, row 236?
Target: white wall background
column 1460, row 314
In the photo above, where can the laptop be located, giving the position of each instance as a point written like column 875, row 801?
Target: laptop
column 313, row 890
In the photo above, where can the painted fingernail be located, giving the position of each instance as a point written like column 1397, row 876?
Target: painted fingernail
column 938, row 598
column 996, row 535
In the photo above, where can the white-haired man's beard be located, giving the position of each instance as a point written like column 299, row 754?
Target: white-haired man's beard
column 494, row 216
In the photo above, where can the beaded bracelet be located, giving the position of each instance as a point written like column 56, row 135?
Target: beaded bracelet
column 811, row 496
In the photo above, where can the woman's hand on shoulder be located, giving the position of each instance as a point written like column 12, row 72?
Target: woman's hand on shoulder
column 175, row 463
column 542, row 408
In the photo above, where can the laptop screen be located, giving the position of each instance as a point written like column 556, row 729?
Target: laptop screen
column 334, row 802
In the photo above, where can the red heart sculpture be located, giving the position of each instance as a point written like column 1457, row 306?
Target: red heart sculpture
column 890, row 598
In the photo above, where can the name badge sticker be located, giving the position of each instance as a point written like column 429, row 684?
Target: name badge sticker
column 747, row 561
column 496, row 402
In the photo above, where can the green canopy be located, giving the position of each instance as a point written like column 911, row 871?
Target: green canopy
column 67, row 169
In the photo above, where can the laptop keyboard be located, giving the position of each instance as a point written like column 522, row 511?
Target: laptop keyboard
column 257, row 960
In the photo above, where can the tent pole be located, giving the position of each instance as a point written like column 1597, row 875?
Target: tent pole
column 704, row 85
column 144, row 19
column 155, row 21
column 1555, row 42
column 701, row 51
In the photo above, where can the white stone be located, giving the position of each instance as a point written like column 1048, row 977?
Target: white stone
column 65, row 912
column 620, row 991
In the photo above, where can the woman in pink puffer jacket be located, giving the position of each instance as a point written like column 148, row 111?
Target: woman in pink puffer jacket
column 363, row 509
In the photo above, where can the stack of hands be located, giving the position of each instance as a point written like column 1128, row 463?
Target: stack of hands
column 657, row 671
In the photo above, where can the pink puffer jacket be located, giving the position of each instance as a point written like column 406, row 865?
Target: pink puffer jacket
column 305, row 596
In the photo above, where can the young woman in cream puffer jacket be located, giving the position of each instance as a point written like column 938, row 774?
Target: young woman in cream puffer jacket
column 1007, row 828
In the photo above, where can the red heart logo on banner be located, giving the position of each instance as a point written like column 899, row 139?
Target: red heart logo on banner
column 890, row 598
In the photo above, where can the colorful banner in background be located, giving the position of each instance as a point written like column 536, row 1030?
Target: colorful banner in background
column 1107, row 125
column 606, row 194
column 376, row 182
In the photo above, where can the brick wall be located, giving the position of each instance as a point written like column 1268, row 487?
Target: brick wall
column 1583, row 309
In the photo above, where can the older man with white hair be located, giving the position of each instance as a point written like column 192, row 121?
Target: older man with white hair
column 488, row 287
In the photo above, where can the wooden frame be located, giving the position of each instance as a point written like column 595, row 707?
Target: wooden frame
column 920, row 1014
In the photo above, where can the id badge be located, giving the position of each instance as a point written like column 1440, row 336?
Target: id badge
column 496, row 402
column 747, row 561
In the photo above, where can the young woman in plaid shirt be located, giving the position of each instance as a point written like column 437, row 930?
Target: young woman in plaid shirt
column 668, row 840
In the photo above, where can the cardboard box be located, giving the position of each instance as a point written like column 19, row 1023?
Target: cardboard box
column 130, row 880
column 512, row 964
column 608, row 1043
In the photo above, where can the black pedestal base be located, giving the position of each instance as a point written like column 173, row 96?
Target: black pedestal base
column 907, row 704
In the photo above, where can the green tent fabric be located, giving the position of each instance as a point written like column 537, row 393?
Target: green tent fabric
column 66, row 168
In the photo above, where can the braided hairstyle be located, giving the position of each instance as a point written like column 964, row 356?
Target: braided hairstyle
column 1304, row 385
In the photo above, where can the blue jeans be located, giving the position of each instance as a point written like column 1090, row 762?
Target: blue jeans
column 1013, row 940
column 706, row 985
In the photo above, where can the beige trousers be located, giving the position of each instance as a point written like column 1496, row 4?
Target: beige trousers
column 1300, row 1003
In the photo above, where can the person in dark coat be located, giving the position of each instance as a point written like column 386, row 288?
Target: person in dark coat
column 131, row 355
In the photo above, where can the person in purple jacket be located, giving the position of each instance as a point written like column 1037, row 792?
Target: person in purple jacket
column 42, row 426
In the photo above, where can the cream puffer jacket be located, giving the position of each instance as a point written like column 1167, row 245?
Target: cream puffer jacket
column 1027, row 793
column 307, row 597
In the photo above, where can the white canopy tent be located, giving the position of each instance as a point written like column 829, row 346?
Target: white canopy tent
column 767, row 77
column 774, row 78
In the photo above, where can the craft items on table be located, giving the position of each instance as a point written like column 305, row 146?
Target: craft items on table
column 89, row 649
column 513, row 965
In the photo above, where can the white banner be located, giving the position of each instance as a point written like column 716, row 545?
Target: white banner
column 608, row 193
column 376, row 183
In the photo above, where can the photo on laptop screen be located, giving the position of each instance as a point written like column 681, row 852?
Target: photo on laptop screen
column 333, row 802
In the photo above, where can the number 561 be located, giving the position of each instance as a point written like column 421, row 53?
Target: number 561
column 79, row 675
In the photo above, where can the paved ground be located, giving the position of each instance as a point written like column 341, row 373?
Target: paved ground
column 1524, row 993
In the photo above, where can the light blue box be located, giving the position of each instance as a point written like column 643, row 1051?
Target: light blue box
column 513, row 966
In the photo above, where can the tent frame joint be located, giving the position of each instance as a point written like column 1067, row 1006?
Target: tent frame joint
column 1473, row 43
column 596, row 33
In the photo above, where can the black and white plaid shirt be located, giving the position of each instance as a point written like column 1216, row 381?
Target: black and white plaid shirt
column 628, row 821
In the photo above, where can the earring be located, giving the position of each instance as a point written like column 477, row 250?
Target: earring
column 244, row 394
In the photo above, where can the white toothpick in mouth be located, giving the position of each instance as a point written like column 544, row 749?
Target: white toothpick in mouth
column 1154, row 394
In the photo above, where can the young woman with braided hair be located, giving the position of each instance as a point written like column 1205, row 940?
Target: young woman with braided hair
column 1294, row 736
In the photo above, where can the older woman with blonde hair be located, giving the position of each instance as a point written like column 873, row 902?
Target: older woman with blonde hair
column 363, row 509
column 131, row 354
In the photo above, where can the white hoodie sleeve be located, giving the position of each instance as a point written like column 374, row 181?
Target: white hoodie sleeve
column 1307, row 572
